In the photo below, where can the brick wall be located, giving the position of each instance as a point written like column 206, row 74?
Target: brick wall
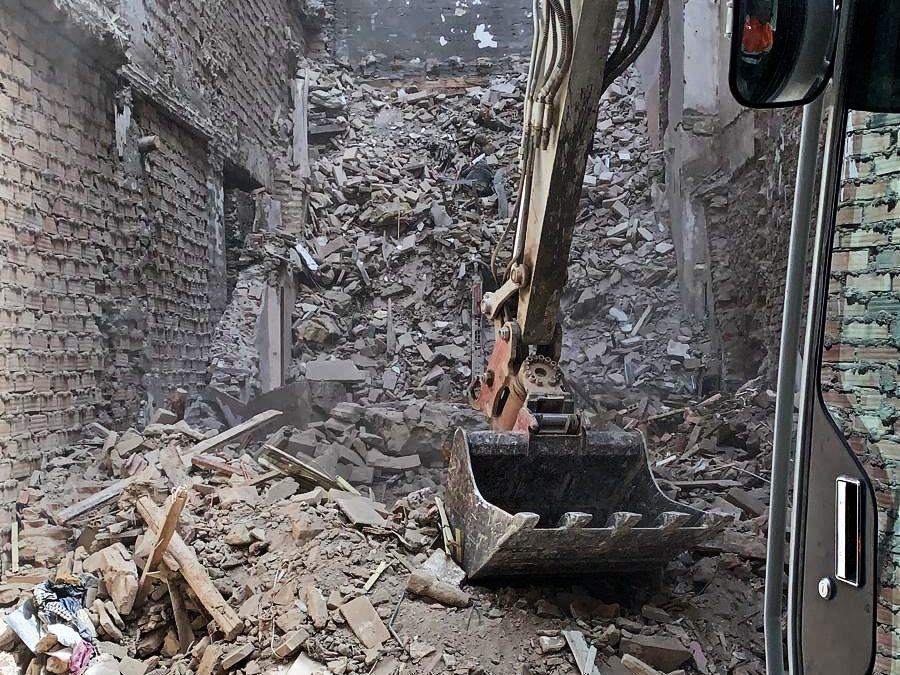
column 175, row 277
column 862, row 355
column 60, row 205
column 109, row 284
column 223, row 65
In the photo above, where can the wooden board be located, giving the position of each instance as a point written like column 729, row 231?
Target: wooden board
column 229, row 435
column 95, row 501
column 194, row 572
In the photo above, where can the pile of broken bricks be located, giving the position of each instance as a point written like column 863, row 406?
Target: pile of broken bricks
column 251, row 569
column 286, row 557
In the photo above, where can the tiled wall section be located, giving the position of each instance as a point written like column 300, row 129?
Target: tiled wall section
column 862, row 355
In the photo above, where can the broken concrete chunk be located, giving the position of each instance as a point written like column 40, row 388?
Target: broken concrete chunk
column 307, row 526
column 661, row 652
column 551, row 644
column 316, row 606
column 290, row 644
column 281, row 489
column 237, row 655
column 313, row 497
column 163, row 416
column 364, row 621
column 424, row 582
column 359, row 510
column 337, row 370
column 238, row 535
column 209, row 661
column 304, row 665
column 246, row 494
column 638, row 667
column 119, row 572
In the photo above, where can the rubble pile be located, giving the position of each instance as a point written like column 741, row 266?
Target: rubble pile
column 207, row 553
column 404, row 209
column 298, row 530
column 408, row 203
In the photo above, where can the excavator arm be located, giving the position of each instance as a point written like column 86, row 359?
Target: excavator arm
column 572, row 63
column 522, row 387
column 540, row 493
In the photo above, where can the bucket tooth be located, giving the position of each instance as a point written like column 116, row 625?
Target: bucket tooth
column 526, row 520
column 670, row 521
column 573, row 520
column 538, row 504
column 623, row 520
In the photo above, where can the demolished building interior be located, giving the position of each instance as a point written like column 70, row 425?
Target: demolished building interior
column 238, row 247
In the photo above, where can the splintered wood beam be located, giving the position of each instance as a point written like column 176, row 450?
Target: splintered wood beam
column 163, row 537
column 194, row 573
column 95, row 501
column 182, row 621
column 217, row 441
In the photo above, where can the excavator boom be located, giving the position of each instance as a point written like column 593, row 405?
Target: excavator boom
column 540, row 494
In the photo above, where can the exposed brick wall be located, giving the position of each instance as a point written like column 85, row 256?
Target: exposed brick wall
column 59, row 207
column 175, row 278
column 862, row 355
column 225, row 64
column 107, row 291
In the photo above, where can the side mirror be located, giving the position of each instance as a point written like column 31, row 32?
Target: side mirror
column 782, row 51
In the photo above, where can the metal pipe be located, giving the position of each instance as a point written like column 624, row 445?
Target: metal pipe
column 804, row 195
column 563, row 56
column 524, row 206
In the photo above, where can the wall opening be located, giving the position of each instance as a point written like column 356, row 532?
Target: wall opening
column 239, row 212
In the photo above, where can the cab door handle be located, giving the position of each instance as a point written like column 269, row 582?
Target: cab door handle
column 848, row 551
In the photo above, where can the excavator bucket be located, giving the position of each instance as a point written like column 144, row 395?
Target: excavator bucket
column 539, row 504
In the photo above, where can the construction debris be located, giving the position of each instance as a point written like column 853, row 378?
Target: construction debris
column 310, row 538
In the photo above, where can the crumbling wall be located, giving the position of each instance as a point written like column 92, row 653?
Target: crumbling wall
column 404, row 31
column 860, row 378
column 111, row 198
column 223, row 66
column 62, row 215
column 729, row 188
column 748, row 218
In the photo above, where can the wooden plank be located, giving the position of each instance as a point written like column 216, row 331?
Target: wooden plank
column 182, row 621
column 300, row 149
column 210, row 464
column 95, row 501
column 163, row 538
column 14, row 544
column 209, row 662
column 227, row 436
column 194, row 573
column 265, row 478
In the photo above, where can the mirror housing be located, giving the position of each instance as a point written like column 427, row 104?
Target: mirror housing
column 782, row 51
